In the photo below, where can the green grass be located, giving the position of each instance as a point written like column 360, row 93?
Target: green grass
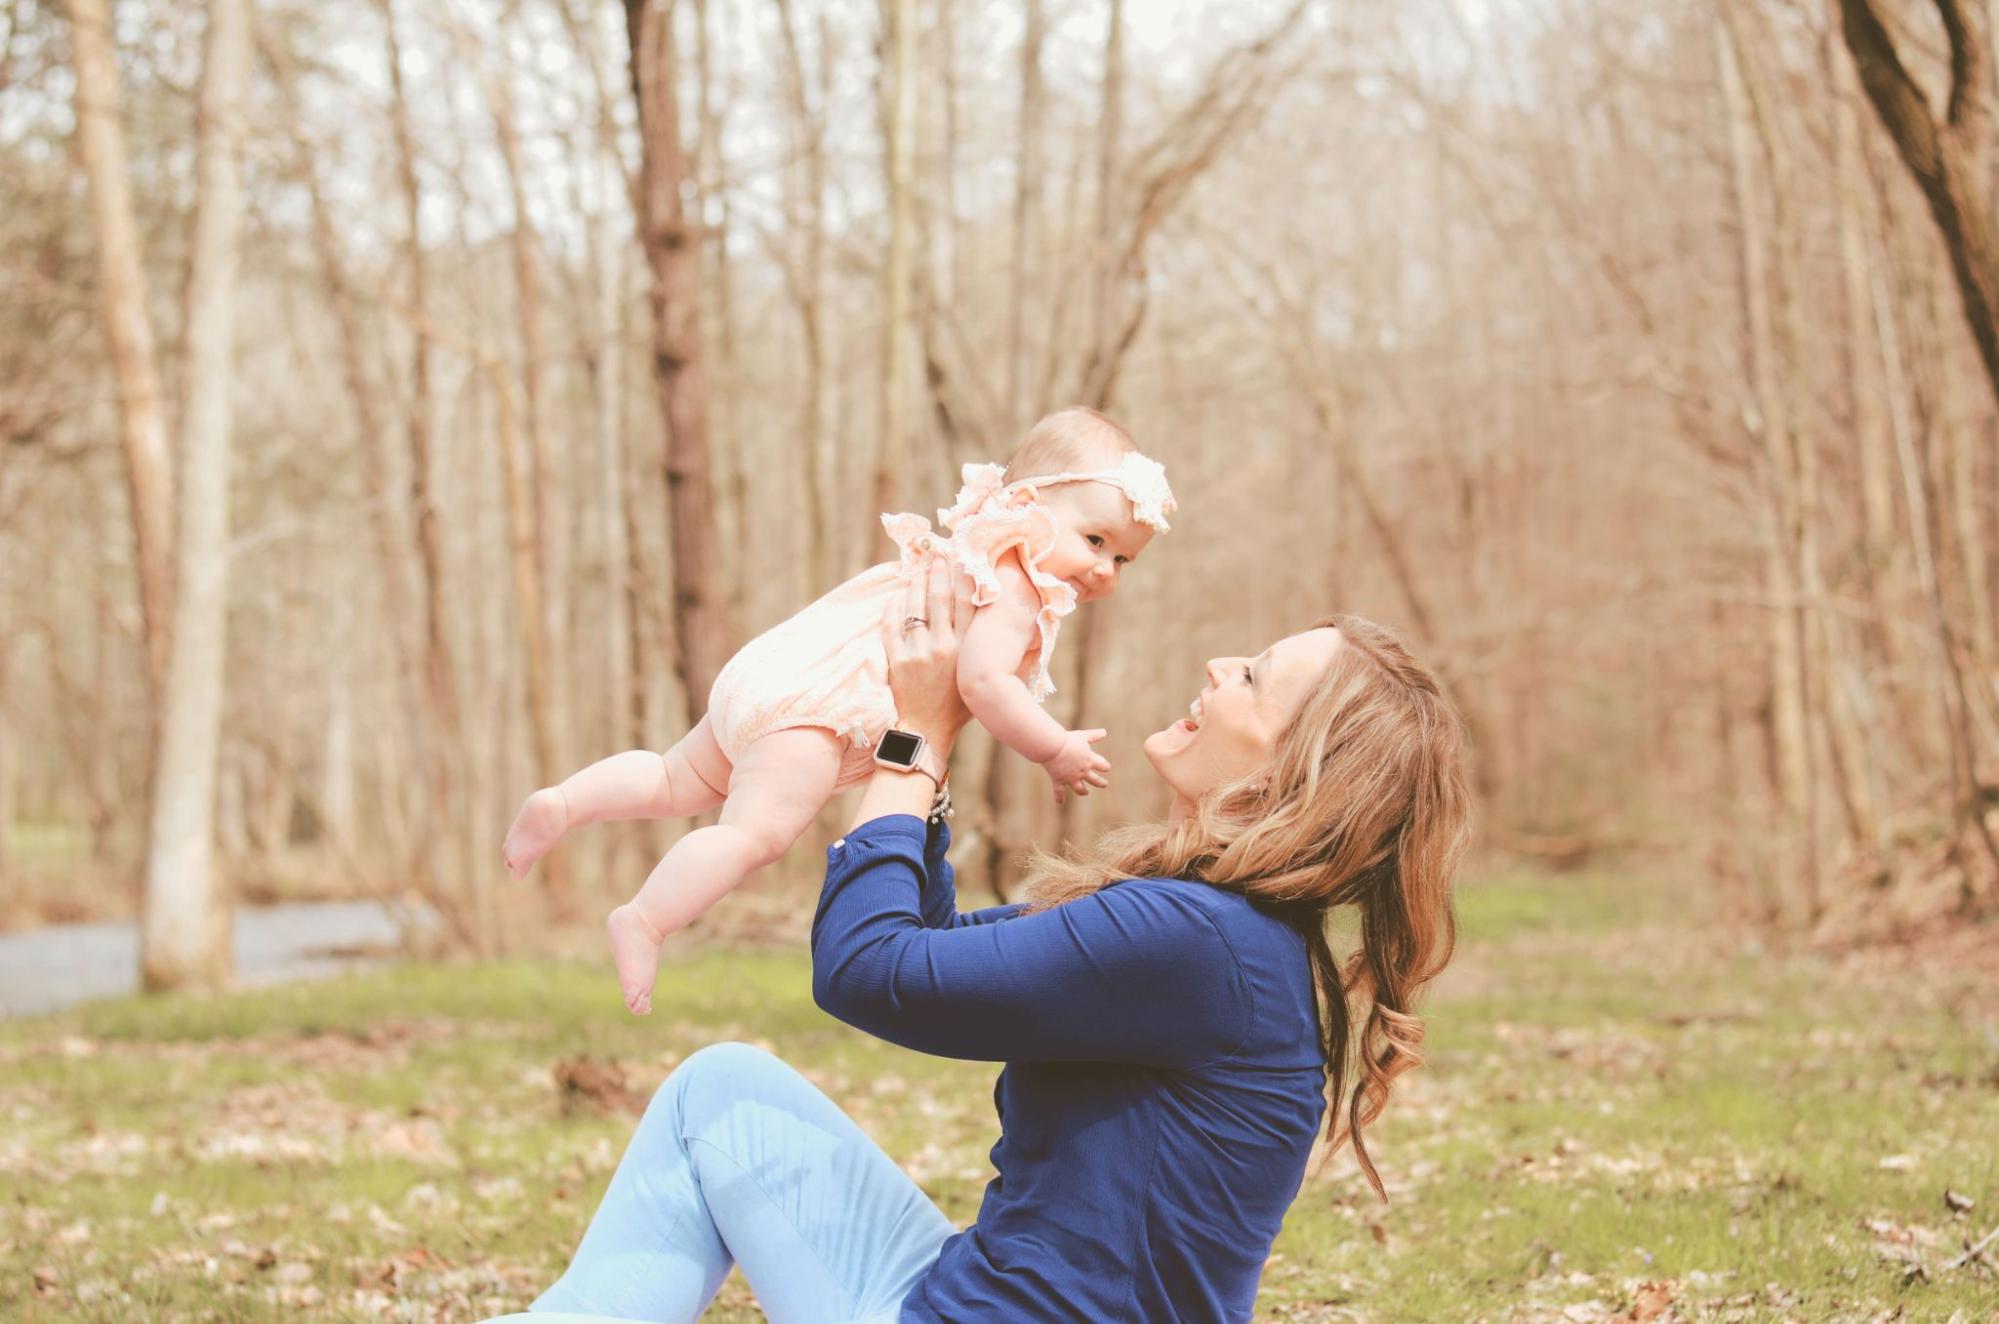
column 1625, row 1107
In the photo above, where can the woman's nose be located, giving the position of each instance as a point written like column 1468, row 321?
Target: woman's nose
column 1217, row 669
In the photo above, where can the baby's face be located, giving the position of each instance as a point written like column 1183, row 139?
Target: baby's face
column 1096, row 537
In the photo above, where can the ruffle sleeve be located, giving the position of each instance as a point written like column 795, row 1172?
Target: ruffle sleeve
column 983, row 531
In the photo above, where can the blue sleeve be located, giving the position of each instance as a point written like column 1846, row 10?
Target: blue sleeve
column 940, row 889
column 1136, row 973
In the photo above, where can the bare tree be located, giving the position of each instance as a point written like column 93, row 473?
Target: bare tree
column 805, row 279
column 1026, row 212
column 672, row 249
column 899, row 161
column 391, row 537
column 185, row 931
column 1946, row 157
column 122, row 291
column 547, row 529
column 442, row 736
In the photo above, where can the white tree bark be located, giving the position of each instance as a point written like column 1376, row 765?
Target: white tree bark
column 185, row 925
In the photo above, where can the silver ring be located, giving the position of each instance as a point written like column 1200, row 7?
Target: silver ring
column 912, row 622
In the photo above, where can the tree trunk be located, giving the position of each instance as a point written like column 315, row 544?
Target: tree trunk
column 122, row 294
column 1878, row 553
column 441, row 738
column 391, row 538
column 899, row 178
column 1026, row 216
column 710, row 181
column 548, row 529
column 1946, row 159
column 336, row 801
column 1772, row 425
column 9, row 761
column 673, row 254
column 806, row 209
column 1092, row 627
column 185, row 926
column 1966, row 797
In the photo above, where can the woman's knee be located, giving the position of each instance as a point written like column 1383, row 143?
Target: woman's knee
column 713, row 1078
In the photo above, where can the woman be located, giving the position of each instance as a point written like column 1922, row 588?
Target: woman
column 1167, row 1060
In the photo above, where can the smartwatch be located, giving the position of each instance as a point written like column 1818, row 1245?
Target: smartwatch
column 905, row 751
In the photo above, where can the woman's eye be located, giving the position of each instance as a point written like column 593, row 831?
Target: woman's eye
column 1248, row 676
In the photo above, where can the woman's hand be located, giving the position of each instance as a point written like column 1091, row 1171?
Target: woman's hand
column 920, row 634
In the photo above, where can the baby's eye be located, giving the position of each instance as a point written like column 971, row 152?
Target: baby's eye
column 1095, row 540
column 1122, row 560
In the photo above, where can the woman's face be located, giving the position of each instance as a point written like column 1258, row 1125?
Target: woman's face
column 1232, row 726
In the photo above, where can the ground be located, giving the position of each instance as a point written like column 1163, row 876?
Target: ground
column 1626, row 1113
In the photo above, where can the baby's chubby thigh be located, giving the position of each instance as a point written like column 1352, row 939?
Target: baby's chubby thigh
column 780, row 784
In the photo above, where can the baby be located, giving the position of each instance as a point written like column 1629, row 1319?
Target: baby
column 796, row 715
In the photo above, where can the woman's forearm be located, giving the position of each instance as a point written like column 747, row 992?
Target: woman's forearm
column 891, row 792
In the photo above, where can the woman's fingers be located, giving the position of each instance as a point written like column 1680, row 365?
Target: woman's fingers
column 891, row 638
column 913, row 593
column 937, row 607
column 961, row 603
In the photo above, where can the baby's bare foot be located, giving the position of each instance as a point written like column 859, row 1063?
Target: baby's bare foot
column 635, row 949
column 540, row 824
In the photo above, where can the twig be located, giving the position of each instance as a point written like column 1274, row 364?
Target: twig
column 1975, row 1251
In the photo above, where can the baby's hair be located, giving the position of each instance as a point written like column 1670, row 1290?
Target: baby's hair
column 1069, row 439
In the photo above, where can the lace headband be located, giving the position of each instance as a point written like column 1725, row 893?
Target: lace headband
column 1142, row 480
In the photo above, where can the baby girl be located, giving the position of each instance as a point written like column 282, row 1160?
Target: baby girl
column 799, row 712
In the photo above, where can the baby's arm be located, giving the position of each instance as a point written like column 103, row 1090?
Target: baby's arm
column 989, row 659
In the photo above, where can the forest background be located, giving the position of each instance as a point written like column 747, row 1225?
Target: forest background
column 404, row 404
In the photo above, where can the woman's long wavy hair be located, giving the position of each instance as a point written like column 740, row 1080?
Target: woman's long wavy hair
column 1364, row 804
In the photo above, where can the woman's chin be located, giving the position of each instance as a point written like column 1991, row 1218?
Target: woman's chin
column 1170, row 741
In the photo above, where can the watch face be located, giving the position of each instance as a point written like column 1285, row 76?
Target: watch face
column 898, row 747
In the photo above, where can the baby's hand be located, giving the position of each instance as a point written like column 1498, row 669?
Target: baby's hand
column 1077, row 766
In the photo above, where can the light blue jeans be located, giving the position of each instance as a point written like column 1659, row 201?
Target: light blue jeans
column 741, row 1160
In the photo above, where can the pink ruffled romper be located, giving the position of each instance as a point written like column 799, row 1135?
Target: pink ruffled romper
column 825, row 666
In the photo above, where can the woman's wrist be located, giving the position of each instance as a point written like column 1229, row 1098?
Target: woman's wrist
column 935, row 735
column 894, row 791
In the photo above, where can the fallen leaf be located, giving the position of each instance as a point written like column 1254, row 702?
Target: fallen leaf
column 586, row 1084
column 1651, row 1301
column 1899, row 1162
column 1957, row 1203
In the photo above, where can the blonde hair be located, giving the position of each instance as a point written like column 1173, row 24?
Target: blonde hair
column 1069, row 439
column 1364, row 803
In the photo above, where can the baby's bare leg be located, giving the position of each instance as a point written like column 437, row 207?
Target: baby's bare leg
column 780, row 784
column 690, row 778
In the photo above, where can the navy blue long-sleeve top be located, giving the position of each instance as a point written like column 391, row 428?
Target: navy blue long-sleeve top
column 1162, row 1087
